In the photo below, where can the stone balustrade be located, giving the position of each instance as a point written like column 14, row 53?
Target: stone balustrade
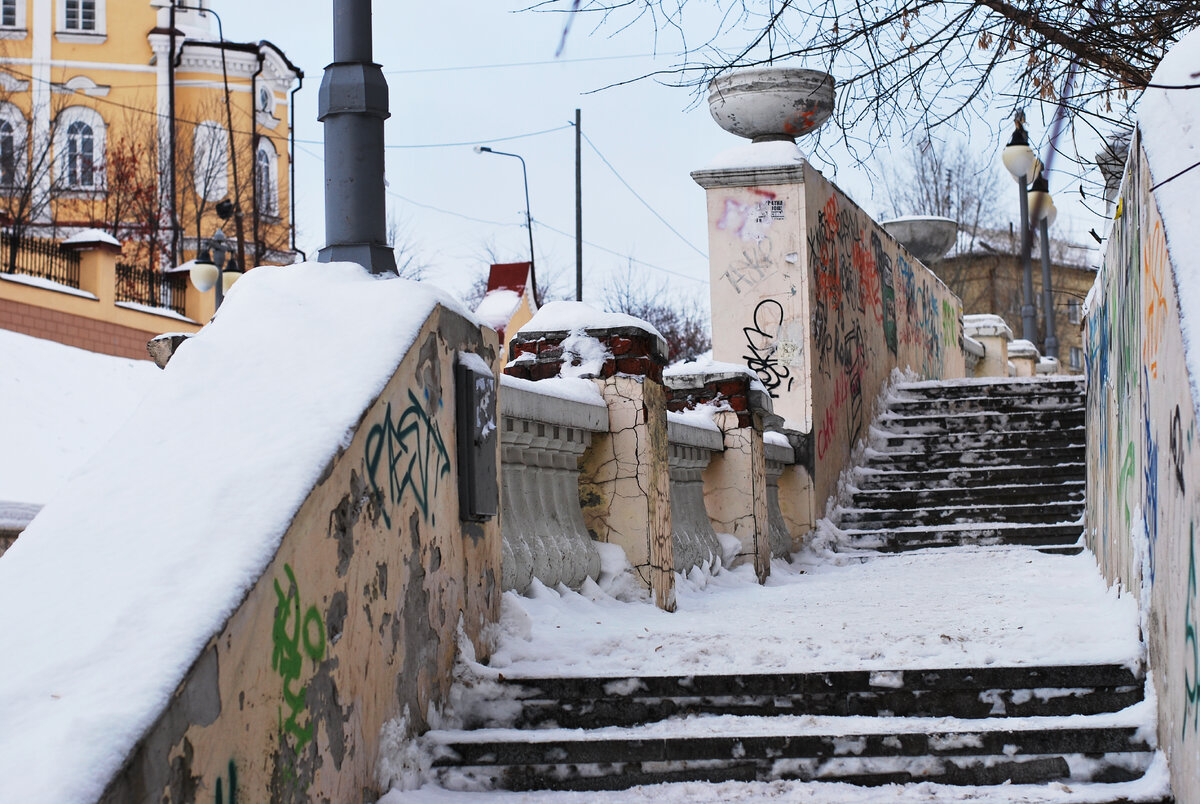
column 691, row 447
column 545, row 429
column 778, row 455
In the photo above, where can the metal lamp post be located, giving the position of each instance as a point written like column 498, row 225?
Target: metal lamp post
column 1041, row 208
column 209, row 270
column 483, row 149
column 1019, row 160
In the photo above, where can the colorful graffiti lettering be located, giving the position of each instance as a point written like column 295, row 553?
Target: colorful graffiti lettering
column 415, row 458
column 1177, row 449
column 1150, row 478
column 1191, row 642
column 290, row 634
column 1155, row 261
column 760, row 341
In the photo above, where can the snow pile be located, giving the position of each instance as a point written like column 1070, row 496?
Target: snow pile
column 58, row 405
column 776, row 153
column 92, row 236
column 1169, row 120
column 566, row 316
column 497, row 307
column 700, row 416
column 705, row 365
column 122, row 579
column 571, row 389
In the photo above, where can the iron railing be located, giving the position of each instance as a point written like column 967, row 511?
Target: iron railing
column 41, row 258
column 151, row 288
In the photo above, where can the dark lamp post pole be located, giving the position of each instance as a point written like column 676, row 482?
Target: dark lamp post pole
column 1019, row 160
column 483, row 149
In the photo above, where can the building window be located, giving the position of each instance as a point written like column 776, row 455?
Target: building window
column 265, row 184
column 8, row 155
column 1074, row 311
column 210, row 158
column 8, row 13
column 80, row 15
column 79, row 149
column 1076, row 358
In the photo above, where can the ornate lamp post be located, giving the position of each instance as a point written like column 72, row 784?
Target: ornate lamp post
column 1043, row 211
column 209, row 270
column 1019, row 160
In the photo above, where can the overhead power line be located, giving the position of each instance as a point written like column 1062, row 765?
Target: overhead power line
column 503, row 66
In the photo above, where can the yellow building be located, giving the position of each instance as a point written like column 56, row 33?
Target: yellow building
column 137, row 119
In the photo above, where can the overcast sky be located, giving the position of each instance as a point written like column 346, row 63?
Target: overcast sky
column 452, row 79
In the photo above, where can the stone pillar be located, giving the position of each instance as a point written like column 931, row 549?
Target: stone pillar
column 97, row 268
column 1024, row 358
column 995, row 335
column 624, row 478
column 198, row 306
column 735, row 482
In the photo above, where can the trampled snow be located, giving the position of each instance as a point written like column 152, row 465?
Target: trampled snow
column 115, row 587
column 58, row 405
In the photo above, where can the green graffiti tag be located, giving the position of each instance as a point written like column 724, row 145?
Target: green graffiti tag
column 220, row 798
column 291, row 632
column 1191, row 681
column 413, row 453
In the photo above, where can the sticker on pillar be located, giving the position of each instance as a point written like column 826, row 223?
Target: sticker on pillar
column 475, row 416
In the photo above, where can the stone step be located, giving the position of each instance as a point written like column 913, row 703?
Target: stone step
column 1052, row 513
column 1000, row 456
column 571, row 759
column 1049, row 403
column 996, row 389
column 957, row 692
column 894, row 540
column 921, row 497
column 926, row 424
column 871, row 478
column 943, row 442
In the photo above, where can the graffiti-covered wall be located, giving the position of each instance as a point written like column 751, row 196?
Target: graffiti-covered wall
column 1143, row 469
column 817, row 299
column 348, row 638
column 874, row 308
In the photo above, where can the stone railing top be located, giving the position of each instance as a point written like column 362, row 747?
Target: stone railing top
column 717, row 383
column 559, row 319
column 986, row 325
column 1021, row 348
column 973, row 347
column 777, row 447
column 694, row 429
column 1048, row 365
column 565, row 401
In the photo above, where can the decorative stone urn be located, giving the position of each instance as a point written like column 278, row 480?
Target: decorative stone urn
column 771, row 103
column 927, row 237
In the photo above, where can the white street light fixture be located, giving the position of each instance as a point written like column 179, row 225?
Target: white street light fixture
column 1020, row 161
column 207, row 269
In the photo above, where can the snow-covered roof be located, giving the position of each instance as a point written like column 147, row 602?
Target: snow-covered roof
column 119, row 584
column 497, row 307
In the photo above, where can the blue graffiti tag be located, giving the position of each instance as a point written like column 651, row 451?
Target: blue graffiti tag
column 416, row 457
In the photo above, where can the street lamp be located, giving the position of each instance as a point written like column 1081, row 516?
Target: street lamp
column 209, row 270
column 1041, row 207
column 1020, row 161
column 483, row 149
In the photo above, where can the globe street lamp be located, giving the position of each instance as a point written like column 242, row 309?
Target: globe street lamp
column 1019, row 160
column 483, row 149
column 1042, row 209
column 209, row 270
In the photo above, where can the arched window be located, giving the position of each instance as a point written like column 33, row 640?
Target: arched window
column 210, row 157
column 13, row 145
column 266, row 182
column 79, row 145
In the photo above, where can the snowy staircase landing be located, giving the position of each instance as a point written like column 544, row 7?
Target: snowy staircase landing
column 985, row 462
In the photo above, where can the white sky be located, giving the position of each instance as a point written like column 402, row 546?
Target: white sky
column 653, row 135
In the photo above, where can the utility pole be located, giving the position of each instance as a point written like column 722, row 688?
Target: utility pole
column 353, row 103
column 578, row 211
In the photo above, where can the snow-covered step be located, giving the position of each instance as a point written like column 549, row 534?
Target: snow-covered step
column 982, row 494
column 988, row 692
column 924, row 422
column 960, row 477
column 980, row 440
column 1049, row 404
column 859, row 751
column 892, row 540
column 990, row 388
column 1001, row 456
column 1051, row 513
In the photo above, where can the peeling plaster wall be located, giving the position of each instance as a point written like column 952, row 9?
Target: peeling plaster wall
column 874, row 308
column 735, row 492
column 352, row 625
column 1143, row 466
column 625, row 483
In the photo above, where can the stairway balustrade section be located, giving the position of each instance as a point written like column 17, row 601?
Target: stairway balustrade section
column 545, row 428
column 778, row 455
column 691, row 448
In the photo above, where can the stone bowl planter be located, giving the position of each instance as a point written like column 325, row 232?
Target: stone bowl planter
column 927, row 237
column 771, row 103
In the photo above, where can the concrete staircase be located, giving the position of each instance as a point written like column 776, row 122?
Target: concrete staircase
column 954, row 460
column 980, row 462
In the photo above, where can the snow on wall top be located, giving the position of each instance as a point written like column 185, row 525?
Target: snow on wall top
column 1169, row 121
column 776, row 153
column 92, row 236
column 58, row 405
column 125, row 575
column 567, row 316
column 497, row 307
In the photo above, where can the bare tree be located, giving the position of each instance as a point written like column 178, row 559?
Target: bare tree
column 681, row 320
column 410, row 258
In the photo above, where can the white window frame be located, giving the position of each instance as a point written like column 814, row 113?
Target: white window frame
column 85, row 35
column 68, row 116
column 1075, row 359
column 17, row 29
column 1074, row 311
column 210, row 160
column 10, row 114
column 268, row 206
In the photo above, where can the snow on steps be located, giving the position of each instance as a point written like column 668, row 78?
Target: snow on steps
column 974, row 462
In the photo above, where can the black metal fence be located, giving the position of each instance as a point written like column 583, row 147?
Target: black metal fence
column 151, row 288
column 36, row 257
